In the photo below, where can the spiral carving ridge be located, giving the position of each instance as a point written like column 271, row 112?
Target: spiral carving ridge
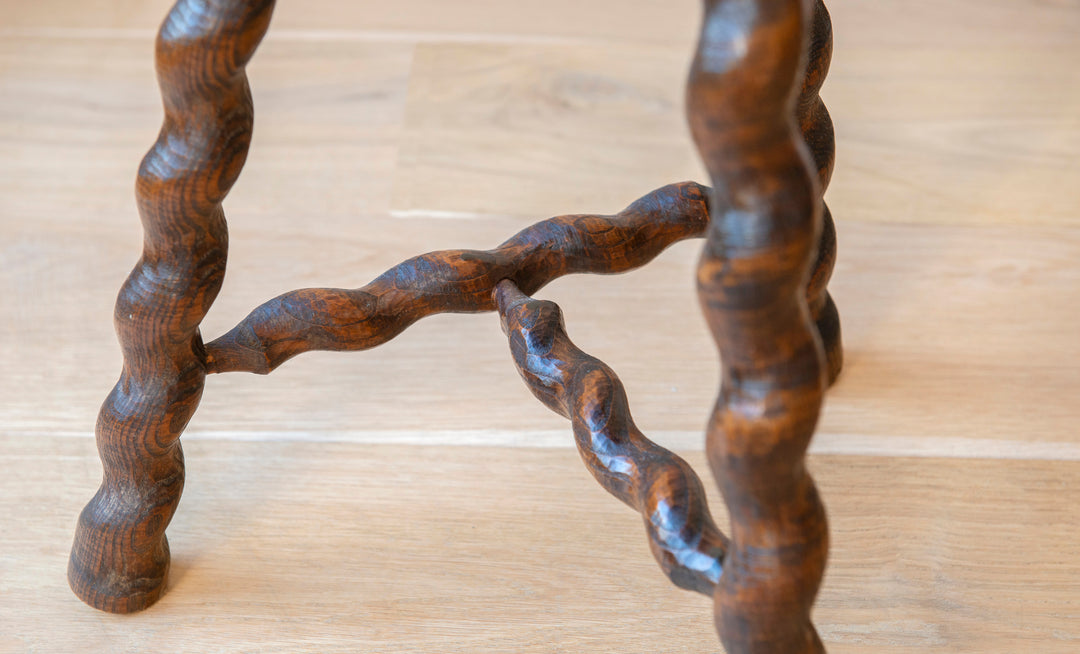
column 120, row 557
column 458, row 281
column 817, row 130
column 658, row 484
column 752, row 280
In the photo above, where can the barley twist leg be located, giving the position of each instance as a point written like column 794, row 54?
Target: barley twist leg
column 752, row 280
column 655, row 482
column 120, row 557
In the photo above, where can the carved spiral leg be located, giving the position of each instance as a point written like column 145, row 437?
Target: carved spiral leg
column 120, row 558
column 817, row 129
column 763, row 235
column 655, row 482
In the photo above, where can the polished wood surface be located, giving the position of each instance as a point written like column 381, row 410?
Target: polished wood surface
column 760, row 251
column 817, row 130
column 120, row 557
column 751, row 97
column 761, row 262
column 458, row 281
column 958, row 282
column 655, row 482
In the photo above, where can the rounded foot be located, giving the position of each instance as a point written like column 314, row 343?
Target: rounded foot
column 114, row 570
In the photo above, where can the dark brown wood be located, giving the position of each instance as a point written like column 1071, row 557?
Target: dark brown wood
column 817, row 129
column 646, row 477
column 458, row 281
column 752, row 279
column 767, row 141
column 120, row 558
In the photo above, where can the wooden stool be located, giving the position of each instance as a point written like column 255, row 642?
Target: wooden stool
column 767, row 141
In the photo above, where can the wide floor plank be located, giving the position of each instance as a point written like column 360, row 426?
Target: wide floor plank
column 957, row 332
column 943, row 134
column 318, row 547
column 909, row 24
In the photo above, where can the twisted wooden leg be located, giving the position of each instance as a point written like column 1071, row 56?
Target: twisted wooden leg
column 657, row 483
column 817, row 129
column 120, row 558
column 752, row 280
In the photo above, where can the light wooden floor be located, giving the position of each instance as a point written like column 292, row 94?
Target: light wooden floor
column 416, row 498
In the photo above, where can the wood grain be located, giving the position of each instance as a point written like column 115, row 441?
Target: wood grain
column 655, row 482
column 458, row 281
column 640, row 20
column 982, row 127
column 816, row 126
column 763, row 238
column 120, row 557
column 534, row 115
column 919, row 24
column 956, row 196
column 335, row 547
